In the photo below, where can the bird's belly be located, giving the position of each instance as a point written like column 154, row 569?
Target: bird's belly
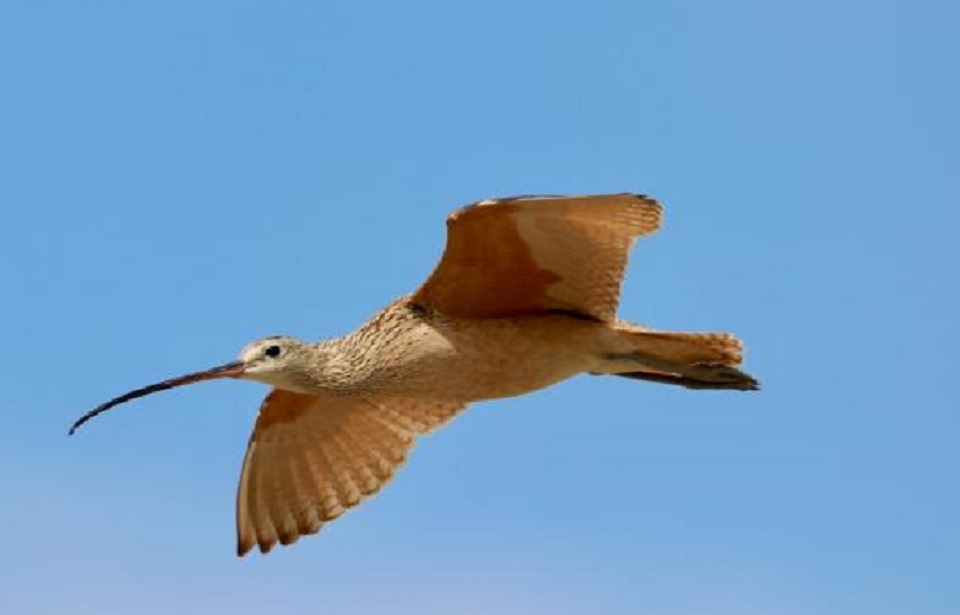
column 486, row 359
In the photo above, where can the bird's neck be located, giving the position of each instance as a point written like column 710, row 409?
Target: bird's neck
column 332, row 371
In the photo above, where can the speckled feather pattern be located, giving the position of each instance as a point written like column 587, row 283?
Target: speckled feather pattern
column 531, row 255
column 338, row 450
column 525, row 295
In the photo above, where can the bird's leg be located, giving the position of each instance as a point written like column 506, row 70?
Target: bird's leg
column 689, row 383
column 701, row 375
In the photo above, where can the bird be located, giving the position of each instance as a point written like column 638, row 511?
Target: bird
column 525, row 295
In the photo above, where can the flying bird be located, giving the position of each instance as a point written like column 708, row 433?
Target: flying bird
column 524, row 296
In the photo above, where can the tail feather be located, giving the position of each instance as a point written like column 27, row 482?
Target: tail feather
column 688, row 347
column 692, row 360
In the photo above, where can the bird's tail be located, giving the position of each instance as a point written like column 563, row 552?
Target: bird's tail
column 692, row 360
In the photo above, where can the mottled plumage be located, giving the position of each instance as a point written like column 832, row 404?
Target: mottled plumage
column 525, row 296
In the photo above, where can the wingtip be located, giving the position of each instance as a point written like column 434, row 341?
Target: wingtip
column 243, row 548
column 245, row 545
column 651, row 213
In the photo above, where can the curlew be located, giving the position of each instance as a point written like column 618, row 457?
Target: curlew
column 525, row 295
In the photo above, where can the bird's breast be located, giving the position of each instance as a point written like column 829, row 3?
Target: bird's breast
column 466, row 359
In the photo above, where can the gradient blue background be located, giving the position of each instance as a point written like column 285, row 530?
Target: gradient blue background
column 178, row 178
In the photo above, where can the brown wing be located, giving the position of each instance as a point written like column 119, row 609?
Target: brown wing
column 536, row 254
column 311, row 457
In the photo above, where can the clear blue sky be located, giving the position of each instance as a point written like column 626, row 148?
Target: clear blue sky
column 177, row 178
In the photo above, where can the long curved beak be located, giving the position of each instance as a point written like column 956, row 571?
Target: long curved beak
column 234, row 369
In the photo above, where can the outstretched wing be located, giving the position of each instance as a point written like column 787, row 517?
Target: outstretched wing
column 537, row 254
column 312, row 457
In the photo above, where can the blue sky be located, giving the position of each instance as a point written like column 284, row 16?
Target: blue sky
column 179, row 178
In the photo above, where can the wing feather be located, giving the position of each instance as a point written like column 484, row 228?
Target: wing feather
column 537, row 254
column 312, row 457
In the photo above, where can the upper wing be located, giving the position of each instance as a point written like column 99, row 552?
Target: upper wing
column 311, row 457
column 535, row 254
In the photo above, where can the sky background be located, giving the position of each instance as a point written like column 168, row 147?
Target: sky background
column 179, row 178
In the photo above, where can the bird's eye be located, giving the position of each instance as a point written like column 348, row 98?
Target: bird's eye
column 272, row 351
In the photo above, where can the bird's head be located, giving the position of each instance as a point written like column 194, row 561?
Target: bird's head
column 279, row 361
column 283, row 362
